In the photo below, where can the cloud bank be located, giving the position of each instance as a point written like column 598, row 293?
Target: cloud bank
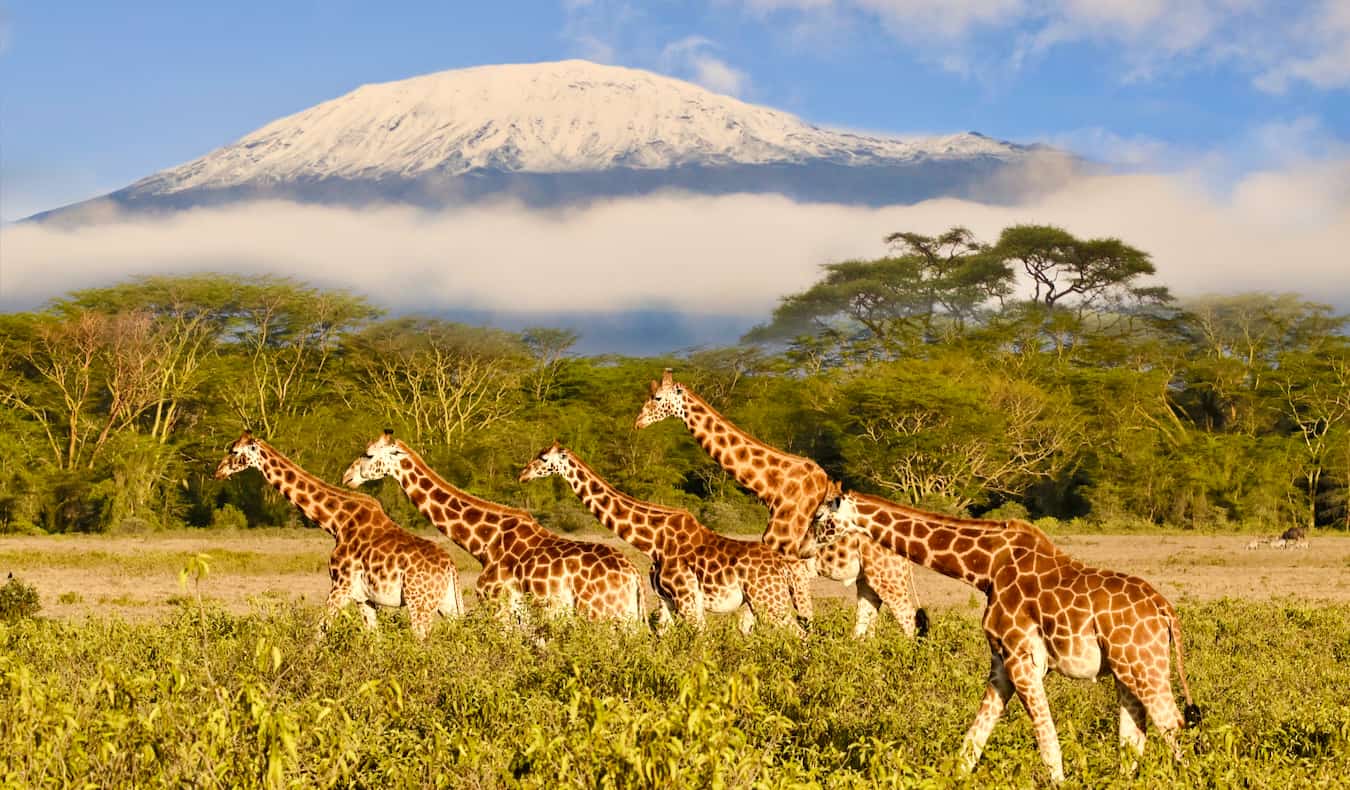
column 1279, row 230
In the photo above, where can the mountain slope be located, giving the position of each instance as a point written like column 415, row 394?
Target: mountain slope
column 560, row 132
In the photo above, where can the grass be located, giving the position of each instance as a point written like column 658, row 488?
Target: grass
column 162, row 562
column 206, row 698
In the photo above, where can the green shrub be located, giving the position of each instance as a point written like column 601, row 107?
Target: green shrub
column 567, row 519
column 1009, row 510
column 18, row 600
column 736, row 518
column 228, row 517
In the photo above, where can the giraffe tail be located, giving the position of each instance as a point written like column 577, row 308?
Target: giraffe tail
column 1192, row 711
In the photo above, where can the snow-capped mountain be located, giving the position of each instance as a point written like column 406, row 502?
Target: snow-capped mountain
column 557, row 132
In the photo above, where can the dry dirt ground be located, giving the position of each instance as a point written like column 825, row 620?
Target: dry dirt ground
column 138, row 577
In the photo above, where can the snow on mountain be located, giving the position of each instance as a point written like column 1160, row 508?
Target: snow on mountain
column 570, row 116
column 551, row 133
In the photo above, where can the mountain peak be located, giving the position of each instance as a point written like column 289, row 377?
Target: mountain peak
column 560, row 132
column 553, row 117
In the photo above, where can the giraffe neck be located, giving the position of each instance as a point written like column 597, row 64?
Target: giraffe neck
column 729, row 446
column 615, row 509
column 972, row 550
column 456, row 513
column 318, row 500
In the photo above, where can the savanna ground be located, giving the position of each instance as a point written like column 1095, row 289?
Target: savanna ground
column 130, row 677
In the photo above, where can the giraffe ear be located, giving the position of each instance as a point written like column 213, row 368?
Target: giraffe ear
column 667, row 377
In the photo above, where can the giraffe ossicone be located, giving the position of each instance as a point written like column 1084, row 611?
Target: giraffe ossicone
column 519, row 557
column 694, row 570
column 374, row 562
column 1044, row 611
column 792, row 487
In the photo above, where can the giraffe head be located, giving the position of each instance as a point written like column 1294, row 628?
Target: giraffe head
column 666, row 400
column 381, row 460
column 836, row 517
column 243, row 453
column 552, row 460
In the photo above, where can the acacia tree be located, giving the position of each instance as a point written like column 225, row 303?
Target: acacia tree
column 283, row 336
column 931, row 286
column 191, row 314
column 549, row 348
column 1092, row 274
column 947, row 432
column 1236, row 344
column 440, row 379
column 1315, row 386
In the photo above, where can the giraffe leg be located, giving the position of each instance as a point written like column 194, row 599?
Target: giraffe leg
column 665, row 613
column 338, row 597
column 452, row 601
column 784, row 531
column 1026, row 670
column 367, row 609
column 1145, row 672
column 681, row 585
column 689, row 605
column 769, row 594
column 1155, row 694
column 420, row 618
column 747, row 620
column 868, row 604
column 803, row 573
column 996, row 696
column 1132, row 723
column 891, row 578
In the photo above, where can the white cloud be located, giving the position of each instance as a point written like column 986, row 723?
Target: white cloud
column 1279, row 44
column 736, row 255
column 691, row 57
column 1324, row 59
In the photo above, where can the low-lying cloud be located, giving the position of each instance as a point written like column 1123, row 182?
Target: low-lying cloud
column 1283, row 230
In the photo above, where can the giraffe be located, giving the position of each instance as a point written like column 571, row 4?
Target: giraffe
column 693, row 568
column 1044, row 610
column 374, row 562
column 792, row 487
column 517, row 554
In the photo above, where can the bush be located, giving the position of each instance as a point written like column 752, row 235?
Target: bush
column 228, row 517
column 18, row 600
column 735, row 518
column 1008, row 510
column 567, row 519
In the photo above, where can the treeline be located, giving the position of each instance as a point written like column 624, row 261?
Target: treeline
column 1037, row 376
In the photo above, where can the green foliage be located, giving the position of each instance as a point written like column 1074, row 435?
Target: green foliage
column 18, row 600
column 265, row 704
column 228, row 517
column 930, row 282
column 116, row 403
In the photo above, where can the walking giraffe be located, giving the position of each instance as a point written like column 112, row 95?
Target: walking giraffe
column 517, row 554
column 1044, row 610
column 374, row 562
column 693, row 568
column 792, row 487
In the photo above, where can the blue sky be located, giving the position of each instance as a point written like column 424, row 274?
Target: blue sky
column 96, row 95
